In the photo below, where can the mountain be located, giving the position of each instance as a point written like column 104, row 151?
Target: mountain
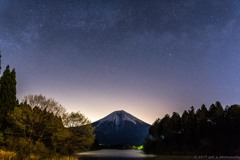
column 120, row 128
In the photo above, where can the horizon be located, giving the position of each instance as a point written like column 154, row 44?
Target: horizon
column 149, row 58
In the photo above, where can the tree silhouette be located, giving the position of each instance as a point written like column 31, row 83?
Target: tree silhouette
column 8, row 92
column 213, row 131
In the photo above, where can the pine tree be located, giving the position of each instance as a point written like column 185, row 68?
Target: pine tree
column 8, row 99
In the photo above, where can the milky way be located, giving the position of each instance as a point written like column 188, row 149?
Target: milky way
column 147, row 57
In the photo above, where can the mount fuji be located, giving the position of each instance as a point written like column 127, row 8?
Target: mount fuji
column 120, row 128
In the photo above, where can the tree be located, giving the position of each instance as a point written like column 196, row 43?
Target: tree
column 83, row 137
column 34, row 127
column 189, row 123
column 214, row 131
column 74, row 119
column 154, row 129
column 176, row 122
column 216, row 113
column 150, row 143
column 202, row 129
column 43, row 103
column 232, row 128
column 8, row 92
column 76, row 137
column 176, row 139
column 82, row 132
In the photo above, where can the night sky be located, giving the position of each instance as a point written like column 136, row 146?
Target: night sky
column 147, row 57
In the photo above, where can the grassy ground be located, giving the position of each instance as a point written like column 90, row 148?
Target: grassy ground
column 7, row 155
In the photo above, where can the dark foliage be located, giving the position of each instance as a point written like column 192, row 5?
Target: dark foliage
column 34, row 129
column 8, row 92
column 206, row 131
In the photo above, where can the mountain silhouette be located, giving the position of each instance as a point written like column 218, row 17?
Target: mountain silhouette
column 120, row 128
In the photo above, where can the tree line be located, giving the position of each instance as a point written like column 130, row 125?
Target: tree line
column 39, row 127
column 213, row 131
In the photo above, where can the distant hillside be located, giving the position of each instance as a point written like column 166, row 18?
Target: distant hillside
column 121, row 128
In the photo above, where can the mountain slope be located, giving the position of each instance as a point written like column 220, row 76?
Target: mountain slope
column 121, row 128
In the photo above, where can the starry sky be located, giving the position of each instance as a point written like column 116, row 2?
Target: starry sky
column 147, row 57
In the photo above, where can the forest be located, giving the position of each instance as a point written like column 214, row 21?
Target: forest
column 38, row 127
column 213, row 131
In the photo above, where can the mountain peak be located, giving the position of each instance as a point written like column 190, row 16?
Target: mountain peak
column 120, row 117
column 119, row 112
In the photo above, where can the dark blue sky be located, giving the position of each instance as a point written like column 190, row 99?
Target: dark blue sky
column 148, row 57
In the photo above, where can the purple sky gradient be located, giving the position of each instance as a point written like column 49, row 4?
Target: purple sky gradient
column 149, row 58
